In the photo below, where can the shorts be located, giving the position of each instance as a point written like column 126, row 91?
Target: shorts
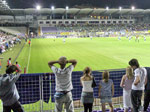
column 106, row 99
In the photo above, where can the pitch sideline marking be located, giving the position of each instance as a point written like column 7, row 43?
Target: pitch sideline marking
column 29, row 57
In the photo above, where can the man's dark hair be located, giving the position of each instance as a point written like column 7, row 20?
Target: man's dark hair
column 10, row 69
column 134, row 62
column 9, row 58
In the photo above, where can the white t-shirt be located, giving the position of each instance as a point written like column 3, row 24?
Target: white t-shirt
column 63, row 78
column 87, row 86
column 142, row 73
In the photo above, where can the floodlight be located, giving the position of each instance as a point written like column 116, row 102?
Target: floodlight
column 4, row 2
column 67, row 7
column 132, row 7
column 107, row 8
column 38, row 7
column 120, row 8
column 52, row 7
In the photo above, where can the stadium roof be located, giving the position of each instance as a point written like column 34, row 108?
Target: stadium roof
column 74, row 11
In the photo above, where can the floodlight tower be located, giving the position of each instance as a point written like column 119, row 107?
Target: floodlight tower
column 52, row 8
column 38, row 7
column 120, row 8
column 133, row 8
column 4, row 1
column 67, row 8
column 107, row 8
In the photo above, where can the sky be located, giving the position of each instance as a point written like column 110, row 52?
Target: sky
column 143, row 4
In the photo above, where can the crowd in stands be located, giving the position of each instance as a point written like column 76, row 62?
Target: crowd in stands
column 107, row 27
column 97, row 30
column 7, row 41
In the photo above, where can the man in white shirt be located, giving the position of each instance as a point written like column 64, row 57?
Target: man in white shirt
column 138, row 84
column 64, row 86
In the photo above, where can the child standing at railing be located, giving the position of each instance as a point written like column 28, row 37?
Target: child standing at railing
column 126, row 84
column 106, row 91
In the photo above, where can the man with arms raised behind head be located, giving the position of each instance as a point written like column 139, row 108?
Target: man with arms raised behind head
column 64, row 86
column 8, row 91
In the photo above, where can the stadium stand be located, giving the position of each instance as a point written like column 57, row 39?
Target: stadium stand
column 7, row 41
column 94, row 30
column 15, row 30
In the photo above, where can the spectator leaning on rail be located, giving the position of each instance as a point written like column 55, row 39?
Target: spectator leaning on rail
column 126, row 84
column 87, row 90
column 8, row 91
column 138, row 84
column 64, row 86
column 106, row 91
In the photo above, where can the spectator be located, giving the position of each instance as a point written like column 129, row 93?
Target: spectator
column 29, row 42
column 147, row 91
column 7, row 46
column 87, row 90
column 138, row 84
column 126, row 84
column 9, row 62
column 106, row 91
column 8, row 91
column 64, row 86
column 17, row 65
column 0, row 50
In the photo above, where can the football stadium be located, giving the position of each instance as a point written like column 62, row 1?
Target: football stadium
column 68, row 56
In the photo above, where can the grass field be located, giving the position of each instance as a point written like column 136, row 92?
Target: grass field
column 99, row 53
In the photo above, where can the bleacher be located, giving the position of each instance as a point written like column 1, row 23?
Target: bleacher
column 15, row 30
column 95, row 30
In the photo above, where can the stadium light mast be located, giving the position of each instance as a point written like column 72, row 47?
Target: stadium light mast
column 52, row 8
column 132, row 7
column 4, row 1
column 120, row 8
column 67, row 8
column 107, row 8
column 38, row 7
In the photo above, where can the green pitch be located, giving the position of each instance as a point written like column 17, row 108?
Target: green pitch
column 99, row 53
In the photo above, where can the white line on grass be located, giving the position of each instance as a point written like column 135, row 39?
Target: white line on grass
column 29, row 56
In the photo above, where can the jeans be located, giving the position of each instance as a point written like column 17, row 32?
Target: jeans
column 67, row 100
column 136, row 96
column 16, row 107
column 146, row 100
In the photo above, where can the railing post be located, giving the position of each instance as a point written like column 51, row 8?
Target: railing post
column 41, row 92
